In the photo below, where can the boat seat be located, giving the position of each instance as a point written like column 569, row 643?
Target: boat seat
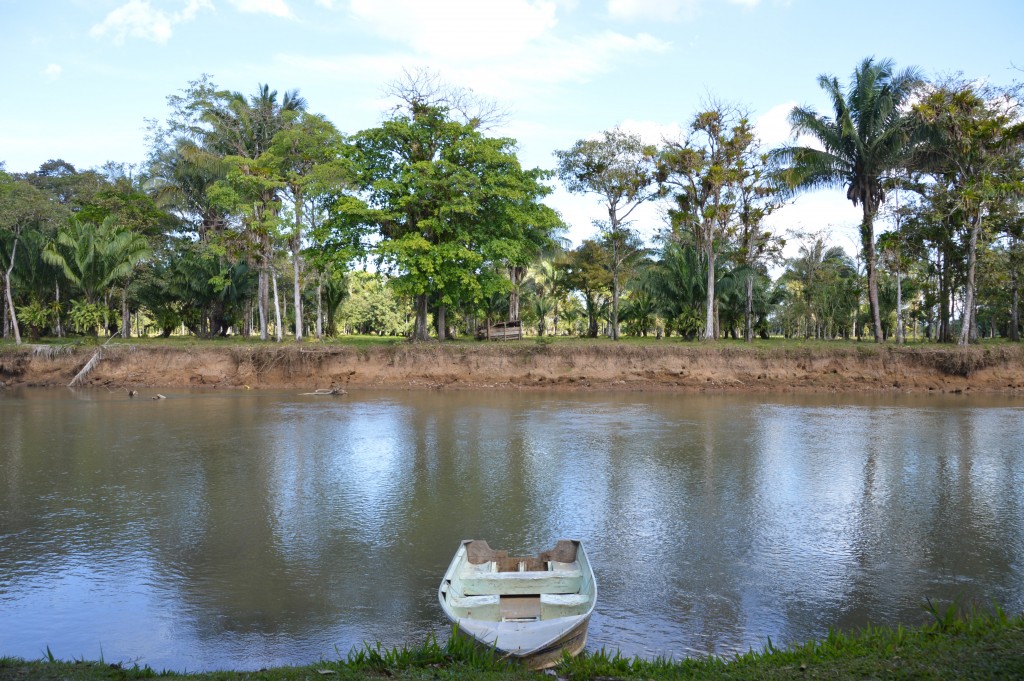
column 562, row 605
column 478, row 607
column 529, row 583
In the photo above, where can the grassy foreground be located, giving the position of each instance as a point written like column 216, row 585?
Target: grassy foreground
column 980, row 645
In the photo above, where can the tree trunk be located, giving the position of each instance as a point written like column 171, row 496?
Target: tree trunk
column 748, row 311
column 867, row 236
column 1015, row 304
column 967, row 327
column 296, row 246
column 709, row 317
column 126, row 317
column 899, row 308
column 421, row 332
column 12, row 315
column 319, row 310
column 277, row 311
column 945, row 331
column 441, row 322
column 615, row 276
column 263, row 302
column 515, row 275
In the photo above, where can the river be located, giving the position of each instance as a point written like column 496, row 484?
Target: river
column 216, row 530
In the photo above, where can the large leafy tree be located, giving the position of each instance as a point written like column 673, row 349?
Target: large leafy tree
column 620, row 169
column 449, row 202
column 867, row 137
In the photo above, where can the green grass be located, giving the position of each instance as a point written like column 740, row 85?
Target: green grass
column 367, row 341
column 955, row 645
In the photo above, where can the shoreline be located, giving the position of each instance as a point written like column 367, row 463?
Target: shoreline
column 770, row 366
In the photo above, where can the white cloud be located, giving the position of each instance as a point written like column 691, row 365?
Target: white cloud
column 549, row 61
column 663, row 10
column 772, row 127
column 53, row 71
column 140, row 19
column 277, row 8
column 652, row 132
column 459, row 28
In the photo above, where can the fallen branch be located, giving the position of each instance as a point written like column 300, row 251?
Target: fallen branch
column 327, row 391
column 91, row 364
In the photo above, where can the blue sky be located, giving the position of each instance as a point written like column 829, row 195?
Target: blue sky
column 81, row 76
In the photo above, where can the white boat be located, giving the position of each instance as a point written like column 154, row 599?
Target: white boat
column 531, row 608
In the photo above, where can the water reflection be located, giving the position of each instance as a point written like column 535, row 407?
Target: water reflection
column 241, row 530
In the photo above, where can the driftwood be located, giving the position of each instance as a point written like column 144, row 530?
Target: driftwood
column 327, row 391
column 91, row 364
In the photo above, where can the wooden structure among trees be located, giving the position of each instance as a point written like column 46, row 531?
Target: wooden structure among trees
column 512, row 330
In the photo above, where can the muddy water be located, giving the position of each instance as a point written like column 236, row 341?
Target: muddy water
column 242, row 530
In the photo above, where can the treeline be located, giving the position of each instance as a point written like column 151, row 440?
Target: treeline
column 254, row 215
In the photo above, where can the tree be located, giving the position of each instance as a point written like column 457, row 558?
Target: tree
column 588, row 271
column 706, row 174
column 93, row 257
column 307, row 158
column 621, row 170
column 823, row 280
column 868, row 136
column 449, row 203
column 241, row 129
column 677, row 281
column 974, row 150
column 22, row 207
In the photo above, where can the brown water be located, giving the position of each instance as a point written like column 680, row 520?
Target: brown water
column 241, row 530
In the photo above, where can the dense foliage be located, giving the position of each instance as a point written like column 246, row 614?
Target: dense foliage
column 427, row 226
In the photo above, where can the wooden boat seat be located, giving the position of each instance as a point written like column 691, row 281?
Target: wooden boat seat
column 531, row 583
column 479, row 607
column 563, row 605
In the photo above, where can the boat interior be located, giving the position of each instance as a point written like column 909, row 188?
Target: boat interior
column 490, row 585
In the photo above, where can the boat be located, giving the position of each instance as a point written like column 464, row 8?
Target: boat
column 529, row 608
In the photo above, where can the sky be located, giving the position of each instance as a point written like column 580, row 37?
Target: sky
column 81, row 77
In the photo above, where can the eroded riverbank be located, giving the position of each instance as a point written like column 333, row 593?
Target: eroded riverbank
column 667, row 366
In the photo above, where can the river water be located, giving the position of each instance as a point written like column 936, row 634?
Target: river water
column 214, row 530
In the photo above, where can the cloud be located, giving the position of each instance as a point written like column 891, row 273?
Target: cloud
column 277, row 8
column 663, row 10
column 459, row 28
column 548, row 60
column 53, row 71
column 139, row 19
column 772, row 127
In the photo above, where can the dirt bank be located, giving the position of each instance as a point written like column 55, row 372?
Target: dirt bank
column 530, row 365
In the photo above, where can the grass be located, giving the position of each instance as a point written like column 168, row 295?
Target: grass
column 957, row 644
column 368, row 341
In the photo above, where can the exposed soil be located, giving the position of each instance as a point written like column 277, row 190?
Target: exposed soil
column 669, row 366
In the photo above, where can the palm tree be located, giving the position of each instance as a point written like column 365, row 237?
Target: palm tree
column 93, row 257
column 869, row 136
column 822, row 272
column 244, row 128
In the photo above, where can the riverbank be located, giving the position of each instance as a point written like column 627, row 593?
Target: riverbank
column 578, row 365
column 976, row 646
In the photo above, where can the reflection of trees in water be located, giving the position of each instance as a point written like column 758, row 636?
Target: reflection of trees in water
column 267, row 518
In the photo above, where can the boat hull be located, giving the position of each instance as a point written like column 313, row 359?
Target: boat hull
column 561, row 620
